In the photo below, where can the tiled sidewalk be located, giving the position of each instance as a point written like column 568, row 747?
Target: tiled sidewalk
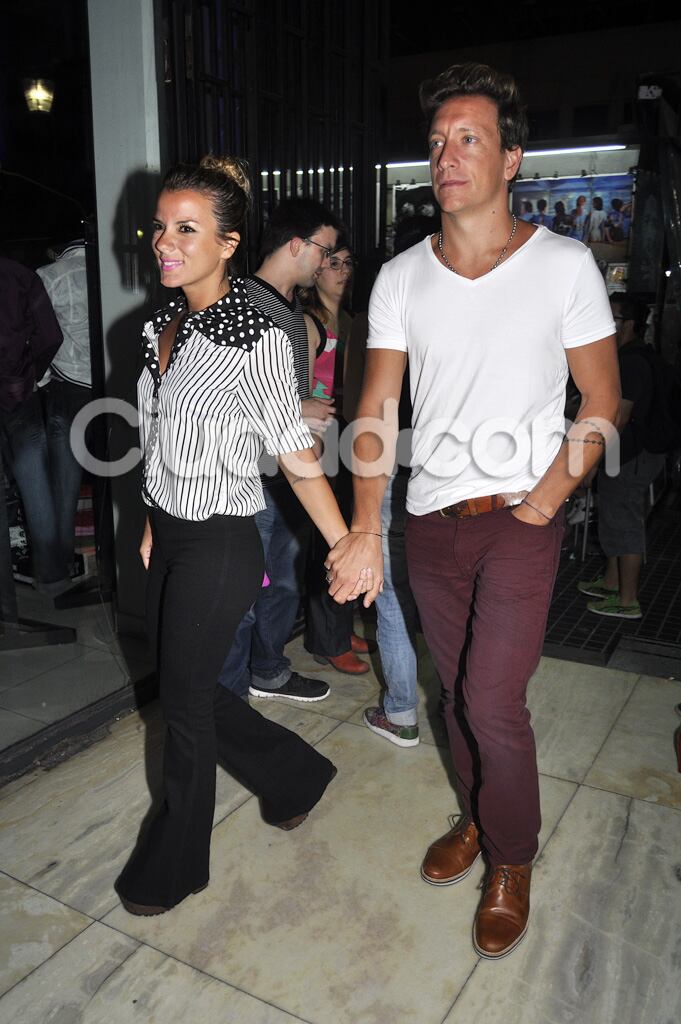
column 332, row 923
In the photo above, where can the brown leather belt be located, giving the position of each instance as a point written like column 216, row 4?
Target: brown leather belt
column 474, row 506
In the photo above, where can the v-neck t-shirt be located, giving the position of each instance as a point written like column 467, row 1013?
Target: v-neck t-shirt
column 487, row 361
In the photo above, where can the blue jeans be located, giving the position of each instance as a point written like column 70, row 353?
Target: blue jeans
column 25, row 446
column 257, row 653
column 62, row 401
column 396, row 610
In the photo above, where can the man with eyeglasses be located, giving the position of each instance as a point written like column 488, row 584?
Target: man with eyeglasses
column 296, row 245
column 324, row 248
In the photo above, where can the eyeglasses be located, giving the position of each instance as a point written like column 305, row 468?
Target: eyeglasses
column 346, row 265
column 327, row 252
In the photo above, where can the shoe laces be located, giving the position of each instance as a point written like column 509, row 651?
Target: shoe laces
column 460, row 822
column 507, row 879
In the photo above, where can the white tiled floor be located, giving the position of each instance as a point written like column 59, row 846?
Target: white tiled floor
column 42, row 685
column 332, row 924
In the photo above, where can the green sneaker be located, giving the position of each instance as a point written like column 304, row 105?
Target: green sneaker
column 611, row 606
column 403, row 735
column 596, row 588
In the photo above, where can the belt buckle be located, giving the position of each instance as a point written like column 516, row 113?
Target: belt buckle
column 513, row 498
column 452, row 511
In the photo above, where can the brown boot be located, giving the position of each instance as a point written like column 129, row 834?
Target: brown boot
column 451, row 857
column 501, row 920
column 348, row 663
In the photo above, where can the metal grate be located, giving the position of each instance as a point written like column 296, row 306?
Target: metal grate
column 296, row 88
column 577, row 634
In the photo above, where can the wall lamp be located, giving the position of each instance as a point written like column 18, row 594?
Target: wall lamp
column 39, row 93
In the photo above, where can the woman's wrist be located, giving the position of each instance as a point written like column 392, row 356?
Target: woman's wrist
column 337, row 536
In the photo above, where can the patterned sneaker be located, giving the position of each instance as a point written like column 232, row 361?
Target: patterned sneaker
column 611, row 607
column 297, row 688
column 596, row 588
column 403, row 735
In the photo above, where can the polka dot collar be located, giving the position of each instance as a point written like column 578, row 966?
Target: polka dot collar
column 230, row 322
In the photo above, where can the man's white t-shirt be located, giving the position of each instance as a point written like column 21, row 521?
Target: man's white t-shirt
column 487, row 361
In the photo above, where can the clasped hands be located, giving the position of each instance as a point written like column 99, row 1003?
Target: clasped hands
column 354, row 566
column 318, row 413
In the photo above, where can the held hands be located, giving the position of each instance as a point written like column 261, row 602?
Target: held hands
column 146, row 544
column 354, row 566
column 318, row 413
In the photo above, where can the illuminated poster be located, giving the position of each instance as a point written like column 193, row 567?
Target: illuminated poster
column 595, row 209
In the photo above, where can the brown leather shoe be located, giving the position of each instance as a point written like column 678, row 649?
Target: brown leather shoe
column 451, row 857
column 347, row 663
column 501, row 920
column 360, row 645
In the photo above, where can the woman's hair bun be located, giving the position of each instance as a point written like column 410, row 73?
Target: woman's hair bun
column 232, row 167
column 225, row 181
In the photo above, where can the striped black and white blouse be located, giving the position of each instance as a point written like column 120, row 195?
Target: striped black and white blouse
column 229, row 391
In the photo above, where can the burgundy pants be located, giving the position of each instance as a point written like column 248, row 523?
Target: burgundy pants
column 483, row 587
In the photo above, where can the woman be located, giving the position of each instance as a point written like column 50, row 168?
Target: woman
column 324, row 303
column 218, row 385
column 328, row 634
column 597, row 220
column 580, row 219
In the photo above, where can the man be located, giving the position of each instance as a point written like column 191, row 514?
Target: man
column 296, row 245
column 396, row 619
column 67, row 386
column 29, row 339
column 491, row 312
column 541, row 216
column 622, row 498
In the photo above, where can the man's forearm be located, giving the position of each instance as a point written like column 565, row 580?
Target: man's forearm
column 374, row 434
column 368, row 495
column 583, row 447
column 370, row 455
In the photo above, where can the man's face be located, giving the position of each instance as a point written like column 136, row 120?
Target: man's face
column 313, row 255
column 468, row 167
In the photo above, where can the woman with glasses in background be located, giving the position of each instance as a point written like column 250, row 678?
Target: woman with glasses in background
column 325, row 304
column 328, row 634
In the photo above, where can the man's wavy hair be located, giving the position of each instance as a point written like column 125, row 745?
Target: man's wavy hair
column 479, row 80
